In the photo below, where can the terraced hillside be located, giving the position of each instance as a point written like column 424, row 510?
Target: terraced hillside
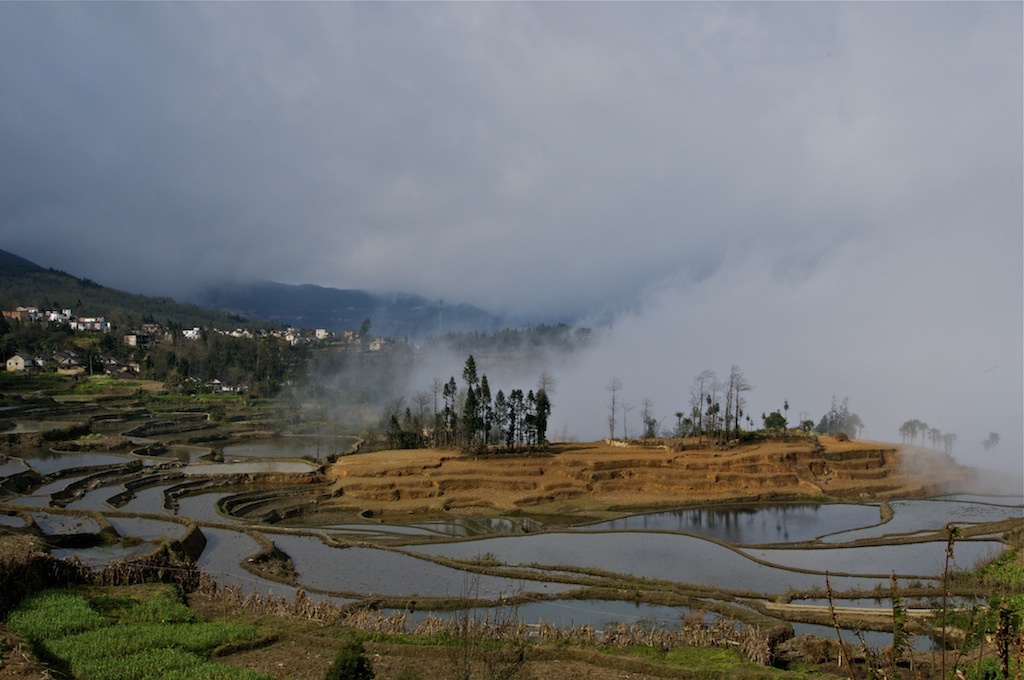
column 581, row 479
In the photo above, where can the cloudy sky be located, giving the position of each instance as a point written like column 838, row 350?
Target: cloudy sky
column 826, row 194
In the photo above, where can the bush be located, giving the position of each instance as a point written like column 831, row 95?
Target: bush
column 350, row 663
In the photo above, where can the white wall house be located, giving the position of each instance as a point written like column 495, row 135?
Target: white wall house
column 20, row 362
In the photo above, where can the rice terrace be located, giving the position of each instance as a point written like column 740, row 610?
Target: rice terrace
column 150, row 533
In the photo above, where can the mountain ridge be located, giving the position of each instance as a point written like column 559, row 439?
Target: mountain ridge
column 230, row 304
column 394, row 314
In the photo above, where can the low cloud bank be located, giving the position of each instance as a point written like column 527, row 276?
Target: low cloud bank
column 891, row 328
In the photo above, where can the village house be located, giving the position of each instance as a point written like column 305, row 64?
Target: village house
column 68, row 363
column 90, row 323
column 24, row 314
column 143, row 340
column 63, row 316
column 20, row 362
column 192, row 333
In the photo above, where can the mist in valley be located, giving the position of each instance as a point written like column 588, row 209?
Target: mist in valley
column 801, row 337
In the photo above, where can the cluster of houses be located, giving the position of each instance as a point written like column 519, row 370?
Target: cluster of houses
column 76, row 323
column 70, row 363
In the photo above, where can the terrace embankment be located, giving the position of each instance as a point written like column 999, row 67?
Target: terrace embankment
column 588, row 479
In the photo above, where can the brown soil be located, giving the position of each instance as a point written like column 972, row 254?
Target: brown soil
column 16, row 659
column 575, row 481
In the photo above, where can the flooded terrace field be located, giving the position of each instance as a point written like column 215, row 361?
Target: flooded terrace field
column 698, row 557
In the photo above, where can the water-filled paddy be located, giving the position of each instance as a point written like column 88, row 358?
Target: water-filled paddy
column 248, row 467
column 292, row 447
column 33, row 426
column 654, row 545
column 12, row 466
column 148, row 500
column 751, row 524
column 57, row 485
column 670, row 557
column 930, row 515
column 916, row 559
column 146, row 529
column 225, row 550
column 382, row 572
column 875, row 639
column 101, row 555
column 11, row 521
column 204, row 506
column 383, row 530
column 53, row 524
column 50, row 461
column 462, row 527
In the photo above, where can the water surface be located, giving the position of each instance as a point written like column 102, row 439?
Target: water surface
column 292, row 447
column 663, row 556
column 747, row 524
column 375, row 571
column 910, row 517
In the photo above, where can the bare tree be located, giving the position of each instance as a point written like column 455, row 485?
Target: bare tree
column 422, row 401
column 734, row 399
column 547, row 382
column 702, row 383
column 625, row 408
column 650, row 422
column 614, row 386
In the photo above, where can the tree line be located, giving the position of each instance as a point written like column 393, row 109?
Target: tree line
column 911, row 429
column 469, row 417
column 716, row 412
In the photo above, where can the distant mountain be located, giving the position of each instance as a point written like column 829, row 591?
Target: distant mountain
column 256, row 304
column 398, row 315
column 12, row 265
column 27, row 284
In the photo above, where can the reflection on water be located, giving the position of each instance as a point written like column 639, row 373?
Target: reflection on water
column 146, row 529
column 222, row 557
column 12, row 466
column 11, row 521
column 751, row 524
column 103, row 554
column 204, row 506
column 148, row 500
column 377, row 529
column 49, row 461
column 873, row 638
column 461, row 527
column 249, row 466
column 371, row 570
column 911, row 517
column 65, row 524
column 56, row 485
column 317, row 448
column 921, row 559
column 670, row 557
